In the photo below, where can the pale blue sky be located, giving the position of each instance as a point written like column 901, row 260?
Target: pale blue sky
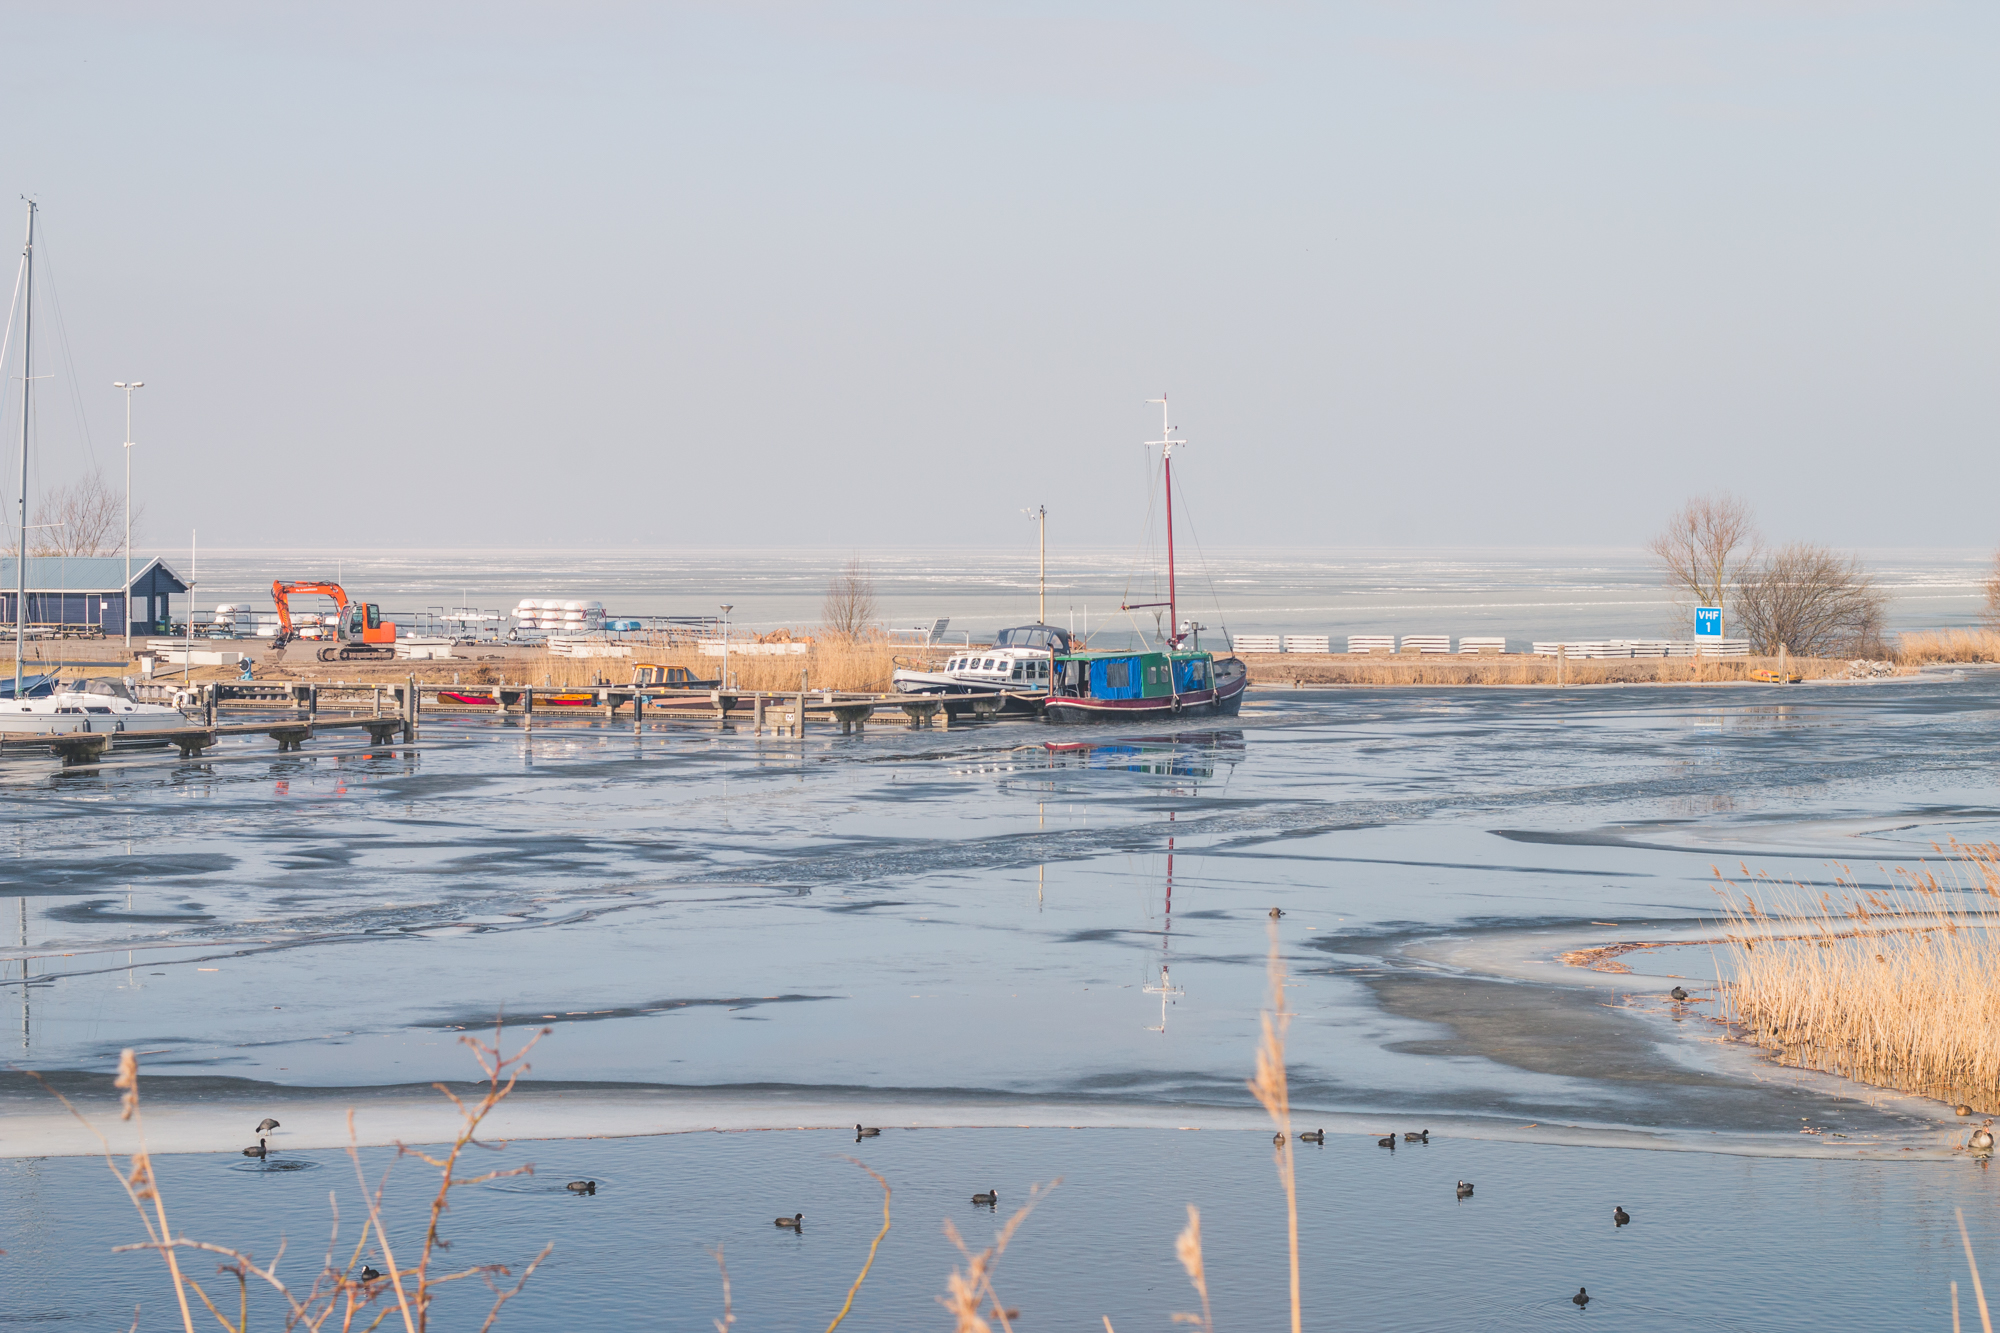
column 884, row 274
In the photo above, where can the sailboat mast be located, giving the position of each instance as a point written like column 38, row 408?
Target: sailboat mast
column 1042, row 580
column 1167, row 442
column 27, row 387
column 1173, row 612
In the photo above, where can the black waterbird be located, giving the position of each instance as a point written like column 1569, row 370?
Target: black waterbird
column 1422, row 1137
column 1619, row 1217
column 266, row 1125
column 582, row 1186
column 368, row 1274
column 1277, row 912
column 259, row 1151
column 1464, row 1189
column 989, row 1198
column 793, row 1222
column 1581, row 1299
column 1278, row 1139
column 1678, row 993
column 861, row 1133
column 1389, row 1143
column 1313, row 1136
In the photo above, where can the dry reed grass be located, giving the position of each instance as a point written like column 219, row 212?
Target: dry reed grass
column 1272, row 1089
column 1949, row 645
column 1898, row 988
column 830, row 664
column 1269, row 669
column 338, row 1297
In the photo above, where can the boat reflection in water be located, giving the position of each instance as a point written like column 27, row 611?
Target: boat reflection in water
column 1182, row 754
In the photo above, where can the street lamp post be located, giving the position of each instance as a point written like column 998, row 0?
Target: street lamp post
column 128, row 387
column 725, row 644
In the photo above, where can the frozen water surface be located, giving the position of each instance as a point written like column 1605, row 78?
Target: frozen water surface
column 969, row 928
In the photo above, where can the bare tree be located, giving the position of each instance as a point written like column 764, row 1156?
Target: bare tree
column 1704, row 549
column 1810, row 601
column 1992, row 613
column 86, row 517
column 849, row 608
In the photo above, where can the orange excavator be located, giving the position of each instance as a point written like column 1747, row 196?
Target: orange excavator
column 359, row 629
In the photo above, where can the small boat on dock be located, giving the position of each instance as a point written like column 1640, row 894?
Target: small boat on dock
column 1176, row 680
column 1016, row 669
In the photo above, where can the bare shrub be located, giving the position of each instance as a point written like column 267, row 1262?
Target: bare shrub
column 1812, row 602
column 90, row 519
column 850, row 609
column 345, row 1288
column 1704, row 549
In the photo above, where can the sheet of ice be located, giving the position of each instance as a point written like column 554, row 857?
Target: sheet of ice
column 938, row 920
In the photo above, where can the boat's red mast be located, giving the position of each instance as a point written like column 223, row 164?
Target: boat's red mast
column 1173, row 612
column 1167, row 444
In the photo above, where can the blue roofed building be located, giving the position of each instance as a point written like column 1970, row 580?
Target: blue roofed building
column 83, row 590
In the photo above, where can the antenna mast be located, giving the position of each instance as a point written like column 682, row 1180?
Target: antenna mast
column 27, row 387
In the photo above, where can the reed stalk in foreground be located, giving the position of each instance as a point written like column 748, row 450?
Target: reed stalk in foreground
column 1897, row 988
column 1271, row 1088
column 1978, row 1291
column 338, row 1297
column 870, row 1263
column 1188, row 1248
column 965, row 1290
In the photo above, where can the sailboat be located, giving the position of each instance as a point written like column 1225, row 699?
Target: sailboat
column 40, row 705
column 1178, row 679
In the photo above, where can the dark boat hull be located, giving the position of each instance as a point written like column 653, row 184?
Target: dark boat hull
column 1222, row 701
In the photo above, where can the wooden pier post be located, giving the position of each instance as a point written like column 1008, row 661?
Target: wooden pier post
column 528, row 707
column 312, row 703
column 757, row 710
column 410, row 709
column 801, row 717
column 638, row 713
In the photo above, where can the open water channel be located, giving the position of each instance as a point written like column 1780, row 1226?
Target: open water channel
column 1024, row 963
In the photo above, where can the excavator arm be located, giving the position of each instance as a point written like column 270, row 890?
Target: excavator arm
column 282, row 593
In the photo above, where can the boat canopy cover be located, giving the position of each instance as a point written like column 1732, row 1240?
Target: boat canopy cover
column 1038, row 637
column 32, row 687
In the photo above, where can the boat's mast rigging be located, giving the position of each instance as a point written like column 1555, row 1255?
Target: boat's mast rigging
column 27, row 387
column 1167, row 444
column 1040, row 513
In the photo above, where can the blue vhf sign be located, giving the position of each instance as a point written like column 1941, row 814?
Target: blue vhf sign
column 1708, row 622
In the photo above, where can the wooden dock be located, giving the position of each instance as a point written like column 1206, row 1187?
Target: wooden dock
column 79, row 748
column 396, row 711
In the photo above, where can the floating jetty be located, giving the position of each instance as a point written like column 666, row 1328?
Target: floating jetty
column 392, row 712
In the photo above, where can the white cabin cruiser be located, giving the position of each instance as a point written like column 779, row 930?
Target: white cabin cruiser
column 1016, row 666
column 102, row 705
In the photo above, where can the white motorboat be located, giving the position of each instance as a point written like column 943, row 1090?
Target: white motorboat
column 1016, row 665
column 87, row 705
